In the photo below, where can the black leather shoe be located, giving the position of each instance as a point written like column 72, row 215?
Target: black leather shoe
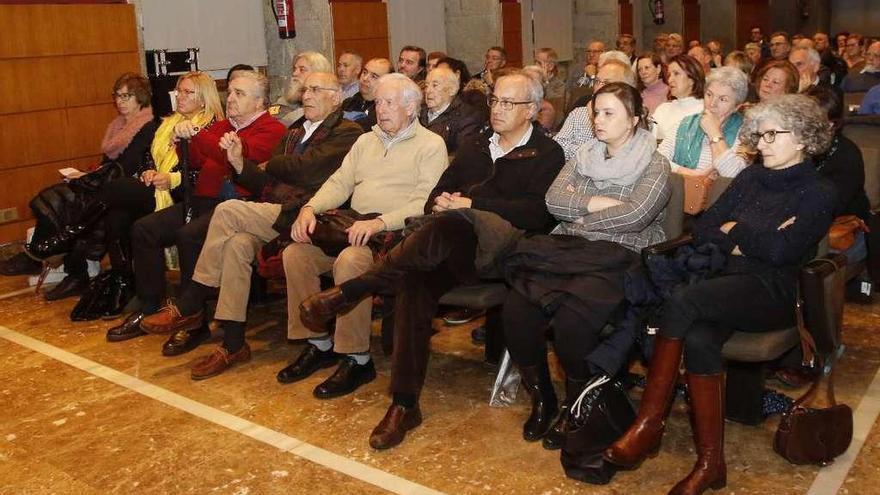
column 318, row 308
column 21, row 264
column 69, row 287
column 309, row 361
column 129, row 329
column 348, row 377
column 183, row 341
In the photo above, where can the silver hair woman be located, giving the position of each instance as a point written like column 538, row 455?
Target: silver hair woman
column 766, row 223
column 705, row 143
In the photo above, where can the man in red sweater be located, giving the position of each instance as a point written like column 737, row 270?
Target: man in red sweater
column 258, row 133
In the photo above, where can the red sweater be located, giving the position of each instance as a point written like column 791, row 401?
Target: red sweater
column 258, row 140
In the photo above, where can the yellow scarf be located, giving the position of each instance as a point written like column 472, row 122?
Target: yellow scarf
column 165, row 152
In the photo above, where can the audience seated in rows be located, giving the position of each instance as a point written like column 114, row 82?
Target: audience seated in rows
column 686, row 81
column 361, row 107
column 868, row 76
column 288, row 108
column 445, row 113
column 652, row 81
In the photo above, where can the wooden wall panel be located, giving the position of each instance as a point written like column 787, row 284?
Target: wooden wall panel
column 690, row 21
column 511, row 32
column 57, row 68
column 361, row 27
column 751, row 13
column 625, row 17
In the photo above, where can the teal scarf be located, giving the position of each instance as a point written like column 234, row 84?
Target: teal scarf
column 689, row 138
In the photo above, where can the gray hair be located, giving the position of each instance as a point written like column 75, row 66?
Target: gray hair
column 357, row 58
column 733, row 78
column 812, row 54
column 447, row 77
column 613, row 55
column 797, row 113
column 629, row 77
column 409, row 90
column 534, row 89
column 261, row 84
column 752, row 46
column 317, row 62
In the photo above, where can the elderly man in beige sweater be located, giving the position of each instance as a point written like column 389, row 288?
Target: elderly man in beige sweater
column 390, row 171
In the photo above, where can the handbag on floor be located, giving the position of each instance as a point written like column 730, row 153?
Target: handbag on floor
column 600, row 415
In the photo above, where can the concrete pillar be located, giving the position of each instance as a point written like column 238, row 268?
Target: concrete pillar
column 472, row 26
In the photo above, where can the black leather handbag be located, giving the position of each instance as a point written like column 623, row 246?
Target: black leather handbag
column 600, row 415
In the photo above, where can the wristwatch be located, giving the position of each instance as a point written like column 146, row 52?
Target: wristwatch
column 716, row 139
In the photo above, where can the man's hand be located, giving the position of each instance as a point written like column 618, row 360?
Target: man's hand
column 590, row 70
column 232, row 144
column 451, row 201
column 359, row 232
column 185, row 130
column 304, row 225
column 727, row 226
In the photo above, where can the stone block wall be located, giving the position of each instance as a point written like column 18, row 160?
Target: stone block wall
column 472, row 26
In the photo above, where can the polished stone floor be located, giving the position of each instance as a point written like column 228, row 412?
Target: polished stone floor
column 66, row 429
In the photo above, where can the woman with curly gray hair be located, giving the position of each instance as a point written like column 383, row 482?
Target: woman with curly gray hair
column 705, row 142
column 767, row 223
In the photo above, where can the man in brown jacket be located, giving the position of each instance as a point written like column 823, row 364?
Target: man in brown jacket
column 310, row 152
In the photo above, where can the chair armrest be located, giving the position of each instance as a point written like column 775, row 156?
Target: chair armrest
column 667, row 246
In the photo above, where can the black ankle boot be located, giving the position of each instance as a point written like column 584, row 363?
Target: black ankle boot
column 556, row 436
column 544, row 402
column 61, row 242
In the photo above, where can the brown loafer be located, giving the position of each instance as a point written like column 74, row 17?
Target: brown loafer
column 318, row 308
column 169, row 319
column 393, row 427
column 219, row 361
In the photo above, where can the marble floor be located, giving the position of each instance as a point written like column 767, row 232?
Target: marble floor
column 82, row 416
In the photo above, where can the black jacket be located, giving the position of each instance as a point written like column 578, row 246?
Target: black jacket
column 295, row 172
column 359, row 110
column 513, row 187
column 136, row 157
column 455, row 124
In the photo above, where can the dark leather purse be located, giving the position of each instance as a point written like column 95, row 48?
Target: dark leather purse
column 600, row 415
column 330, row 233
column 809, row 435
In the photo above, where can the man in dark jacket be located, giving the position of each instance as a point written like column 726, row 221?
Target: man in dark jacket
column 361, row 107
column 445, row 113
column 311, row 151
column 492, row 192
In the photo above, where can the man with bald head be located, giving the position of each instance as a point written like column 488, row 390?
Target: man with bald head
column 495, row 183
column 360, row 108
column 445, row 113
column 389, row 171
column 311, row 150
column 578, row 127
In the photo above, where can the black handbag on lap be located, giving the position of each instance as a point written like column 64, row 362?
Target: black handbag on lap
column 330, row 232
column 599, row 416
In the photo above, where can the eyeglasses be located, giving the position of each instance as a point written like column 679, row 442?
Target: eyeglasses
column 122, row 96
column 768, row 136
column 506, row 105
column 315, row 89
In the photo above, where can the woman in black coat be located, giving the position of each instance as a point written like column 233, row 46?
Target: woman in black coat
column 768, row 223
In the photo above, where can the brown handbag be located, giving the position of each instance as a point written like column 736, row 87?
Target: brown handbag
column 842, row 233
column 332, row 237
column 808, row 435
column 696, row 192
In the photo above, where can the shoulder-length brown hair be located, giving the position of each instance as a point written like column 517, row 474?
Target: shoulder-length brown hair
column 792, row 78
column 137, row 85
column 694, row 70
column 656, row 61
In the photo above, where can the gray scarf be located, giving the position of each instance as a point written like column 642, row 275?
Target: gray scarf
column 622, row 169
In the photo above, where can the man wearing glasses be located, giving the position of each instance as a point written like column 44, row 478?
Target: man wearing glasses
column 491, row 194
column 311, row 150
column 868, row 76
column 780, row 45
column 361, row 107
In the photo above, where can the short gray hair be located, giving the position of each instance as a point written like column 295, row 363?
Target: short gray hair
column 797, row 113
column 733, row 78
column 613, row 55
column 534, row 88
column 447, row 77
column 629, row 77
column 812, row 54
column 261, row 83
column 317, row 62
column 409, row 90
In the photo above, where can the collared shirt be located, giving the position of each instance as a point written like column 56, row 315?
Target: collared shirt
column 495, row 149
column 350, row 90
column 576, row 131
column 310, row 128
column 238, row 127
column 389, row 141
column 434, row 114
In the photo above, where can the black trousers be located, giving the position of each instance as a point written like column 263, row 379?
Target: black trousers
column 707, row 313
column 418, row 271
column 128, row 200
column 153, row 233
column 525, row 330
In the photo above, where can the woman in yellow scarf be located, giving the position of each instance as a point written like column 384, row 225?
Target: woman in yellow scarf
column 130, row 198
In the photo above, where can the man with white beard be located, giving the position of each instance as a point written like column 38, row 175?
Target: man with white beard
column 288, row 108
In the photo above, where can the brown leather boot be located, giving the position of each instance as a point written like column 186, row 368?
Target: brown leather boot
column 707, row 411
column 643, row 437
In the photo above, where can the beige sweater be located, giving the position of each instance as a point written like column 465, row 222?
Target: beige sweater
column 394, row 182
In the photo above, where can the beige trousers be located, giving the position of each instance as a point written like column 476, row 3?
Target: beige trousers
column 238, row 229
column 303, row 264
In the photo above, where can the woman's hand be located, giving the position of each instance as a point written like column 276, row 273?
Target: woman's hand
column 185, row 130
column 710, row 124
column 159, row 180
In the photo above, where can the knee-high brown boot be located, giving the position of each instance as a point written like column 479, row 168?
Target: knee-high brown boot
column 707, row 410
column 643, row 437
